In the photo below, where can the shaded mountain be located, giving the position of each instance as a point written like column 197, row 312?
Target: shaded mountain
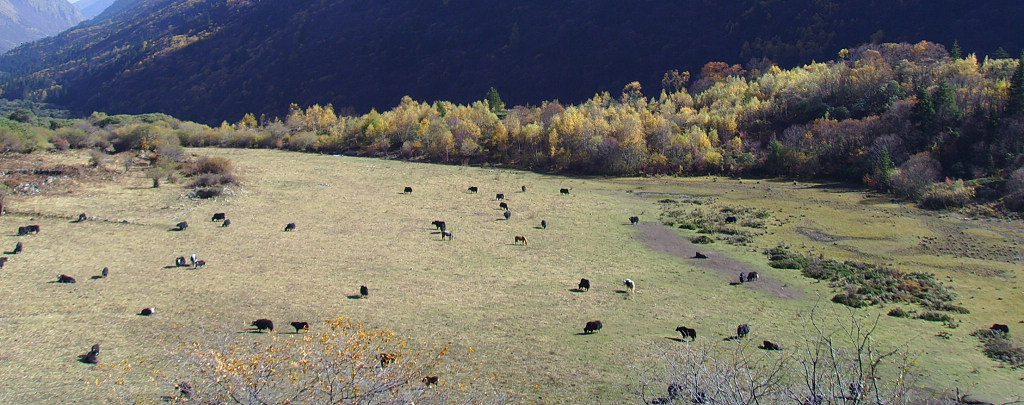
column 209, row 60
column 93, row 8
column 28, row 20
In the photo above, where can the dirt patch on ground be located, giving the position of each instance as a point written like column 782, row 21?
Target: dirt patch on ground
column 665, row 239
column 816, row 234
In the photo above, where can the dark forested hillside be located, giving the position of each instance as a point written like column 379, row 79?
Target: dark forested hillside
column 212, row 60
column 28, row 20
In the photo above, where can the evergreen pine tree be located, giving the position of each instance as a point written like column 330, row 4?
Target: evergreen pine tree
column 494, row 101
column 955, row 50
column 1016, row 102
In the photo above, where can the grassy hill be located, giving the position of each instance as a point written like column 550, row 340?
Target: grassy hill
column 512, row 304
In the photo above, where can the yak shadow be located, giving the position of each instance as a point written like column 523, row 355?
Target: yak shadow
column 96, row 277
column 173, row 267
column 621, row 292
column 680, row 340
column 10, row 253
column 436, row 233
column 539, row 227
column 731, row 338
column 175, row 229
column 354, row 297
column 577, row 290
column 735, row 283
column 583, row 334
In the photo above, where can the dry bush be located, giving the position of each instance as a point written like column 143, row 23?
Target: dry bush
column 339, row 362
column 947, row 194
column 208, row 164
column 915, row 176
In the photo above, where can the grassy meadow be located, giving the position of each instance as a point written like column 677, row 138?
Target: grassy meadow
column 512, row 304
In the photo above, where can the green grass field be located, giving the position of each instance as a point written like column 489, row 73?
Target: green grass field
column 511, row 303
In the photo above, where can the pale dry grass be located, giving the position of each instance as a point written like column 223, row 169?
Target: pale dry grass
column 511, row 304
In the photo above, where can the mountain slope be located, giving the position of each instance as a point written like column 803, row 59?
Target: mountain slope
column 28, row 20
column 212, row 60
column 93, row 8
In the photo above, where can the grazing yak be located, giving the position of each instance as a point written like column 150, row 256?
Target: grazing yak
column 289, row 227
column 147, row 311
column 564, row 191
column 730, row 219
column 447, row 234
column 407, row 190
column 634, row 219
column 18, row 247
column 507, row 214
column 92, row 357
column 499, row 196
column 227, row 223
column 519, row 238
column 219, row 216
column 364, row 291
column 64, row 278
column 180, row 261
column 584, row 285
column 192, row 259
column 524, row 189
column 687, row 333
column 181, row 226
column 3, row 261
column 430, row 380
column 742, row 330
column 300, row 326
column 199, row 263
column 386, row 359
column 743, row 277
column 82, row 217
column 438, row 224
column 473, row 189
column 262, row 323
column 700, row 255
column 27, row 229
column 768, row 345
column 543, row 224
column 105, row 272
column 998, row 327
column 503, row 206
column 752, row 276
column 630, row 285
column 592, row 326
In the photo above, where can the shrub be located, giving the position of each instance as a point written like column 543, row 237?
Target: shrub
column 207, row 192
column 934, row 316
column 849, row 299
column 899, row 313
column 914, row 176
column 780, row 257
column 947, row 194
column 998, row 346
column 702, row 240
column 209, row 164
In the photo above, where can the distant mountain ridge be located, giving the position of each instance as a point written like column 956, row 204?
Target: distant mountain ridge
column 210, row 60
column 28, row 20
column 93, row 8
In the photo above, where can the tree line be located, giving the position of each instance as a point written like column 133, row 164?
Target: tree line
column 912, row 119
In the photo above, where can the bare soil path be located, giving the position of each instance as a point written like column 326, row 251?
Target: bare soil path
column 664, row 239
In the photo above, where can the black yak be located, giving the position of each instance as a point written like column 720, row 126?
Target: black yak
column 180, row 261
column 105, row 272
column 687, row 333
column 439, row 225
column 199, row 263
column 730, row 219
column 503, row 206
column 752, row 276
column 3, row 261
column 407, row 190
column 64, row 278
column 998, row 327
column 219, row 216
column 18, row 247
column 82, row 217
column 92, row 357
column 227, row 223
column 499, row 196
column 300, row 326
column 364, row 291
column 634, row 219
column 768, row 345
column 147, row 311
column 430, row 380
column 289, row 227
column 181, row 226
column 592, row 326
column 507, row 214
column 262, row 324
column 700, row 255
column 584, row 285
column 544, row 224
column 564, row 191
column 473, row 189
column 742, row 330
